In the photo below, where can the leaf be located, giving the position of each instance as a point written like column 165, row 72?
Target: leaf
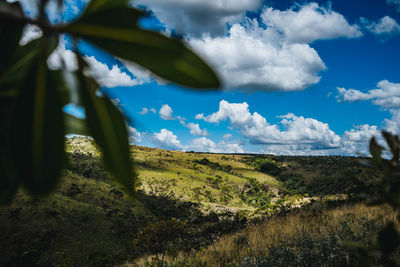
column 74, row 125
column 393, row 143
column 11, row 52
column 38, row 128
column 375, row 149
column 119, row 35
column 10, row 35
column 16, row 70
column 388, row 239
column 107, row 126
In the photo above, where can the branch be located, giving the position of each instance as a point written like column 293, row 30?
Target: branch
column 11, row 15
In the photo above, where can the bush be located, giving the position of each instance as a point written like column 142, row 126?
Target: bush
column 265, row 165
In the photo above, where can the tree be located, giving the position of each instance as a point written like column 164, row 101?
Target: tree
column 32, row 96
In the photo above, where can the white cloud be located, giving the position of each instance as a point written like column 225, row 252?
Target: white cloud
column 167, row 140
column 387, row 95
column 166, row 112
column 355, row 141
column 227, row 136
column 296, row 130
column 196, row 17
column 385, row 26
column 134, row 135
column 109, row 77
column 199, row 116
column 248, row 59
column 206, row 145
column 141, row 75
column 393, row 124
column 275, row 56
column 310, row 23
column 195, row 129
column 30, row 33
column 144, row 111
column 62, row 57
column 153, row 110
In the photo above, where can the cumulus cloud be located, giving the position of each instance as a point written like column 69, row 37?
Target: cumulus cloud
column 30, row 33
column 166, row 112
column 109, row 77
column 134, row 135
column 227, row 136
column 144, row 111
column 196, row 17
column 393, row 124
column 296, row 130
column 195, row 129
column 276, row 55
column 62, row 57
column 356, row 140
column 387, row 95
column 206, row 145
column 167, row 140
column 310, row 23
column 386, row 26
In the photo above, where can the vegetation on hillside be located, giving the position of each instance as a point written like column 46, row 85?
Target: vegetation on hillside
column 186, row 202
column 311, row 236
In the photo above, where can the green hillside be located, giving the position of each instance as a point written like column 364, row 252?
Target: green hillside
column 90, row 221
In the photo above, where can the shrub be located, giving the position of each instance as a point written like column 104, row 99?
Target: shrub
column 265, row 165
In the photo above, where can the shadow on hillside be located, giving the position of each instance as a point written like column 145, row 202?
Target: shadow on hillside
column 64, row 230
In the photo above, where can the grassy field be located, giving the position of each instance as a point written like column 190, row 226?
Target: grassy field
column 312, row 236
column 213, row 206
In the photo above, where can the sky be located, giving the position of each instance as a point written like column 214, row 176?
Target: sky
column 299, row 77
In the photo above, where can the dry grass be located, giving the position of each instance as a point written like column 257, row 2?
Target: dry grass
column 313, row 222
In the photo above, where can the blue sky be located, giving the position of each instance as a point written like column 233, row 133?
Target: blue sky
column 300, row 77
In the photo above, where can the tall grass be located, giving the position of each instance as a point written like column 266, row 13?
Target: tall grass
column 311, row 236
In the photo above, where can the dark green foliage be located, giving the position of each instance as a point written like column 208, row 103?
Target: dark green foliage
column 214, row 165
column 265, row 165
column 37, row 116
column 321, row 186
column 32, row 97
column 107, row 126
column 387, row 190
column 160, row 237
column 257, row 195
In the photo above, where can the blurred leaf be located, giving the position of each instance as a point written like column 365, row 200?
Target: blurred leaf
column 388, row 239
column 375, row 150
column 393, row 143
column 355, row 245
column 107, row 125
column 74, row 125
column 119, row 35
column 37, row 130
column 98, row 5
column 8, row 184
column 16, row 70
column 9, row 54
column 10, row 35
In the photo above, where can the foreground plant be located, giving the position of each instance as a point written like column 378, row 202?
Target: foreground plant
column 387, row 190
column 32, row 123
